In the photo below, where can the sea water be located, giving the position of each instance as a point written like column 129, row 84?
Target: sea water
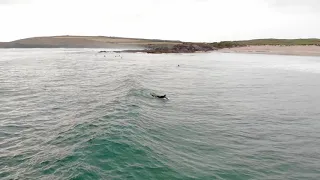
column 80, row 114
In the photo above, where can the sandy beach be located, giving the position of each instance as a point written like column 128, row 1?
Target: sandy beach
column 281, row 50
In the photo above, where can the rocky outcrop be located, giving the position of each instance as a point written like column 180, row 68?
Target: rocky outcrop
column 181, row 48
column 177, row 48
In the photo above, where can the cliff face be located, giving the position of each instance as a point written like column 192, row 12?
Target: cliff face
column 2, row 44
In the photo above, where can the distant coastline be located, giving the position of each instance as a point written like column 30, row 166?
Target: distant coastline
column 262, row 46
column 309, row 50
column 82, row 42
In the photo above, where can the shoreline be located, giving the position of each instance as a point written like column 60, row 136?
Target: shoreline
column 275, row 50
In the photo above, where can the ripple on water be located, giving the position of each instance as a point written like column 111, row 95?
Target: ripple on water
column 79, row 115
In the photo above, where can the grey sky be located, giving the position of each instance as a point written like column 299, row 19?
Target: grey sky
column 189, row 20
column 286, row 3
column 14, row 1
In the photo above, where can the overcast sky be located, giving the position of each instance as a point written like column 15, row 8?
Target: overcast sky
column 187, row 20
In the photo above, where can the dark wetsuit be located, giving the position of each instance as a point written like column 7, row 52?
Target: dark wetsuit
column 162, row 97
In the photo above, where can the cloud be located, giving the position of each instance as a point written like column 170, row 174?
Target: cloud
column 188, row 20
column 296, row 5
column 9, row 2
column 295, row 2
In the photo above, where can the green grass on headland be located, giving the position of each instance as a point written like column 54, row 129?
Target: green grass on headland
column 263, row 42
column 121, row 42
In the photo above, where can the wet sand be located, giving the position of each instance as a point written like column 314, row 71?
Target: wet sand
column 280, row 50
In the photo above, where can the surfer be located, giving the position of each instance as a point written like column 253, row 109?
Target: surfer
column 161, row 97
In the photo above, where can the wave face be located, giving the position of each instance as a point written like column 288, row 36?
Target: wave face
column 78, row 114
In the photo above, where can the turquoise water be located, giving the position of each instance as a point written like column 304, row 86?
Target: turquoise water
column 77, row 114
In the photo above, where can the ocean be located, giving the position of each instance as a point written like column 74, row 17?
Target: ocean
column 80, row 114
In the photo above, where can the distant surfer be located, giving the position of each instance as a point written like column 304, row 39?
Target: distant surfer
column 161, row 97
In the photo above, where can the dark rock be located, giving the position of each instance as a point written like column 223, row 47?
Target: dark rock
column 177, row 48
column 182, row 48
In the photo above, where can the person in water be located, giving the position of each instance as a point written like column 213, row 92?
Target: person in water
column 161, row 97
column 164, row 96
